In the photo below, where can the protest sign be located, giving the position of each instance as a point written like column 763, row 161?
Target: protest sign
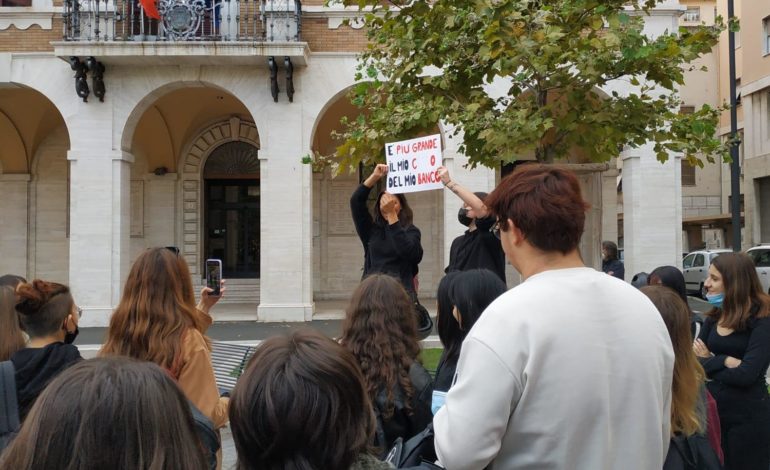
column 412, row 164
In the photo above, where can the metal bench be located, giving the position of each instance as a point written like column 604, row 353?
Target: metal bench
column 228, row 361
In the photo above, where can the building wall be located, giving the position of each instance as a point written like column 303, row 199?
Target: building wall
column 95, row 202
column 50, row 212
column 753, row 70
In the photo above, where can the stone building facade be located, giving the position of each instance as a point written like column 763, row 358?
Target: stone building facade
column 190, row 148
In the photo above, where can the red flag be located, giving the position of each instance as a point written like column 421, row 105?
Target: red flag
column 150, row 9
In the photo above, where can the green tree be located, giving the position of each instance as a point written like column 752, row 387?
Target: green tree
column 434, row 61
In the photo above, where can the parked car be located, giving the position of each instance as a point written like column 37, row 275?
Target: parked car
column 761, row 257
column 695, row 267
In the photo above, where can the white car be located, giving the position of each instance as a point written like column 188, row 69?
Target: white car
column 695, row 268
column 761, row 257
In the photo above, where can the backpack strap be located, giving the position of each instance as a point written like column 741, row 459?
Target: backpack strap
column 9, row 406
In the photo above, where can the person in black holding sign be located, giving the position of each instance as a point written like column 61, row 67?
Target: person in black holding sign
column 478, row 247
column 391, row 242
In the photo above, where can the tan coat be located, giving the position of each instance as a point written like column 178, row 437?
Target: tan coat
column 196, row 378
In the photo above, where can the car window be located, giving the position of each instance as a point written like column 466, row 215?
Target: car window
column 761, row 258
column 699, row 261
column 687, row 263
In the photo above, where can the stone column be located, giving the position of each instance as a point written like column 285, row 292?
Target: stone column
column 610, row 204
column 286, row 222
column 14, row 213
column 652, row 207
column 99, row 230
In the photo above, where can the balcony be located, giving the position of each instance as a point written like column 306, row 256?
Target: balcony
column 189, row 32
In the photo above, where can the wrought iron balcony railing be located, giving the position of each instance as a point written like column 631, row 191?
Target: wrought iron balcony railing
column 182, row 20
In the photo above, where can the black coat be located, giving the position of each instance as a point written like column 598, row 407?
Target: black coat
column 478, row 249
column 392, row 249
column 403, row 423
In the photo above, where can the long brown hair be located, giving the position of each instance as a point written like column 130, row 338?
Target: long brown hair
column 11, row 337
column 688, row 374
column 380, row 329
column 155, row 312
column 108, row 413
column 301, row 403
column 744, row 297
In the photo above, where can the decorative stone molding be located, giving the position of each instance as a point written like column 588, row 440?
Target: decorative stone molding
column 355, row 22
column 337, row 15
column 191, row 168
column 26, row 17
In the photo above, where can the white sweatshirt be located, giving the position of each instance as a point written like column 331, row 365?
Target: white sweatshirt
column 569, row 370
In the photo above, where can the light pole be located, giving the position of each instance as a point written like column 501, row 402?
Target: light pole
column 735, row 165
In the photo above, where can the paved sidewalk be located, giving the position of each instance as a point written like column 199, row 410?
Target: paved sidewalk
column 245, row 331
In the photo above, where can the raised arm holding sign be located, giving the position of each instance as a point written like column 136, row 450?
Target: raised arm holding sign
column 391, row 242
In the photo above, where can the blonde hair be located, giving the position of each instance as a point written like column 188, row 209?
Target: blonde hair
column 688, row 374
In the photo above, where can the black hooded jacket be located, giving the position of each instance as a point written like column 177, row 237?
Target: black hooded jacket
column 36, row 367
column 394, row 249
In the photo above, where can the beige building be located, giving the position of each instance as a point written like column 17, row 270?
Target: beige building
column 703, row 217
column 752, row 53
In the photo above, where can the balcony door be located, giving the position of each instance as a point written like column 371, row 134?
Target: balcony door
column 232, row 209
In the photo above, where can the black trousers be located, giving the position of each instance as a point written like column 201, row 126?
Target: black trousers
column 746, row 440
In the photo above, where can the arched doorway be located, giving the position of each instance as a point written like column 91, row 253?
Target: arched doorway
column 231, row 208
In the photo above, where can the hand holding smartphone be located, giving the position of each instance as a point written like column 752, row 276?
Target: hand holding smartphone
column 213, row 275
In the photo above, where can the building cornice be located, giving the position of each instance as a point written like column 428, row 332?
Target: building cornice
column 26, row 17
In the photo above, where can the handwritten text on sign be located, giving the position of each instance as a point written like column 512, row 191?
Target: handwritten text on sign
column 412, row 164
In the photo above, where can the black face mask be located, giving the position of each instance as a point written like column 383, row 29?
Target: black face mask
column 462, row 216
column 69, row 338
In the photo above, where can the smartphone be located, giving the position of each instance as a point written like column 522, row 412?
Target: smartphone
column 213, row 275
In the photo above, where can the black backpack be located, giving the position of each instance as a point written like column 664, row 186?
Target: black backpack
column 9, row 407
column 207, row 435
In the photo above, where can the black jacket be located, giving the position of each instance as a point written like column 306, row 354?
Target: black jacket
column 36, row 367
column 392, row 249
column 478, row 249
column 402, row 423
column 615, row 267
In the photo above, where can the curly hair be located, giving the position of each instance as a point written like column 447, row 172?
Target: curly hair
column 380, row 329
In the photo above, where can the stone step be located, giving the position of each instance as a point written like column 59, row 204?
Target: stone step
column 239, row 291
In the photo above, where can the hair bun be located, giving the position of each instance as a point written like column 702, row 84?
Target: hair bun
column 34, row 295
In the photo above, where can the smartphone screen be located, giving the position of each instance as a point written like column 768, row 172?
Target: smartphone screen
column 213, row 275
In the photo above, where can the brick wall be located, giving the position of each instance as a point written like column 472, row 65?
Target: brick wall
column 316, row 32
column 33, row 39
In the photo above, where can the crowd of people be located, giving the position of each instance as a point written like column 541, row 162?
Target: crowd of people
column 573, row 368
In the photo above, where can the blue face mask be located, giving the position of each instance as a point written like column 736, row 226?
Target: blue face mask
column 715, row 299
column 438, row 401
